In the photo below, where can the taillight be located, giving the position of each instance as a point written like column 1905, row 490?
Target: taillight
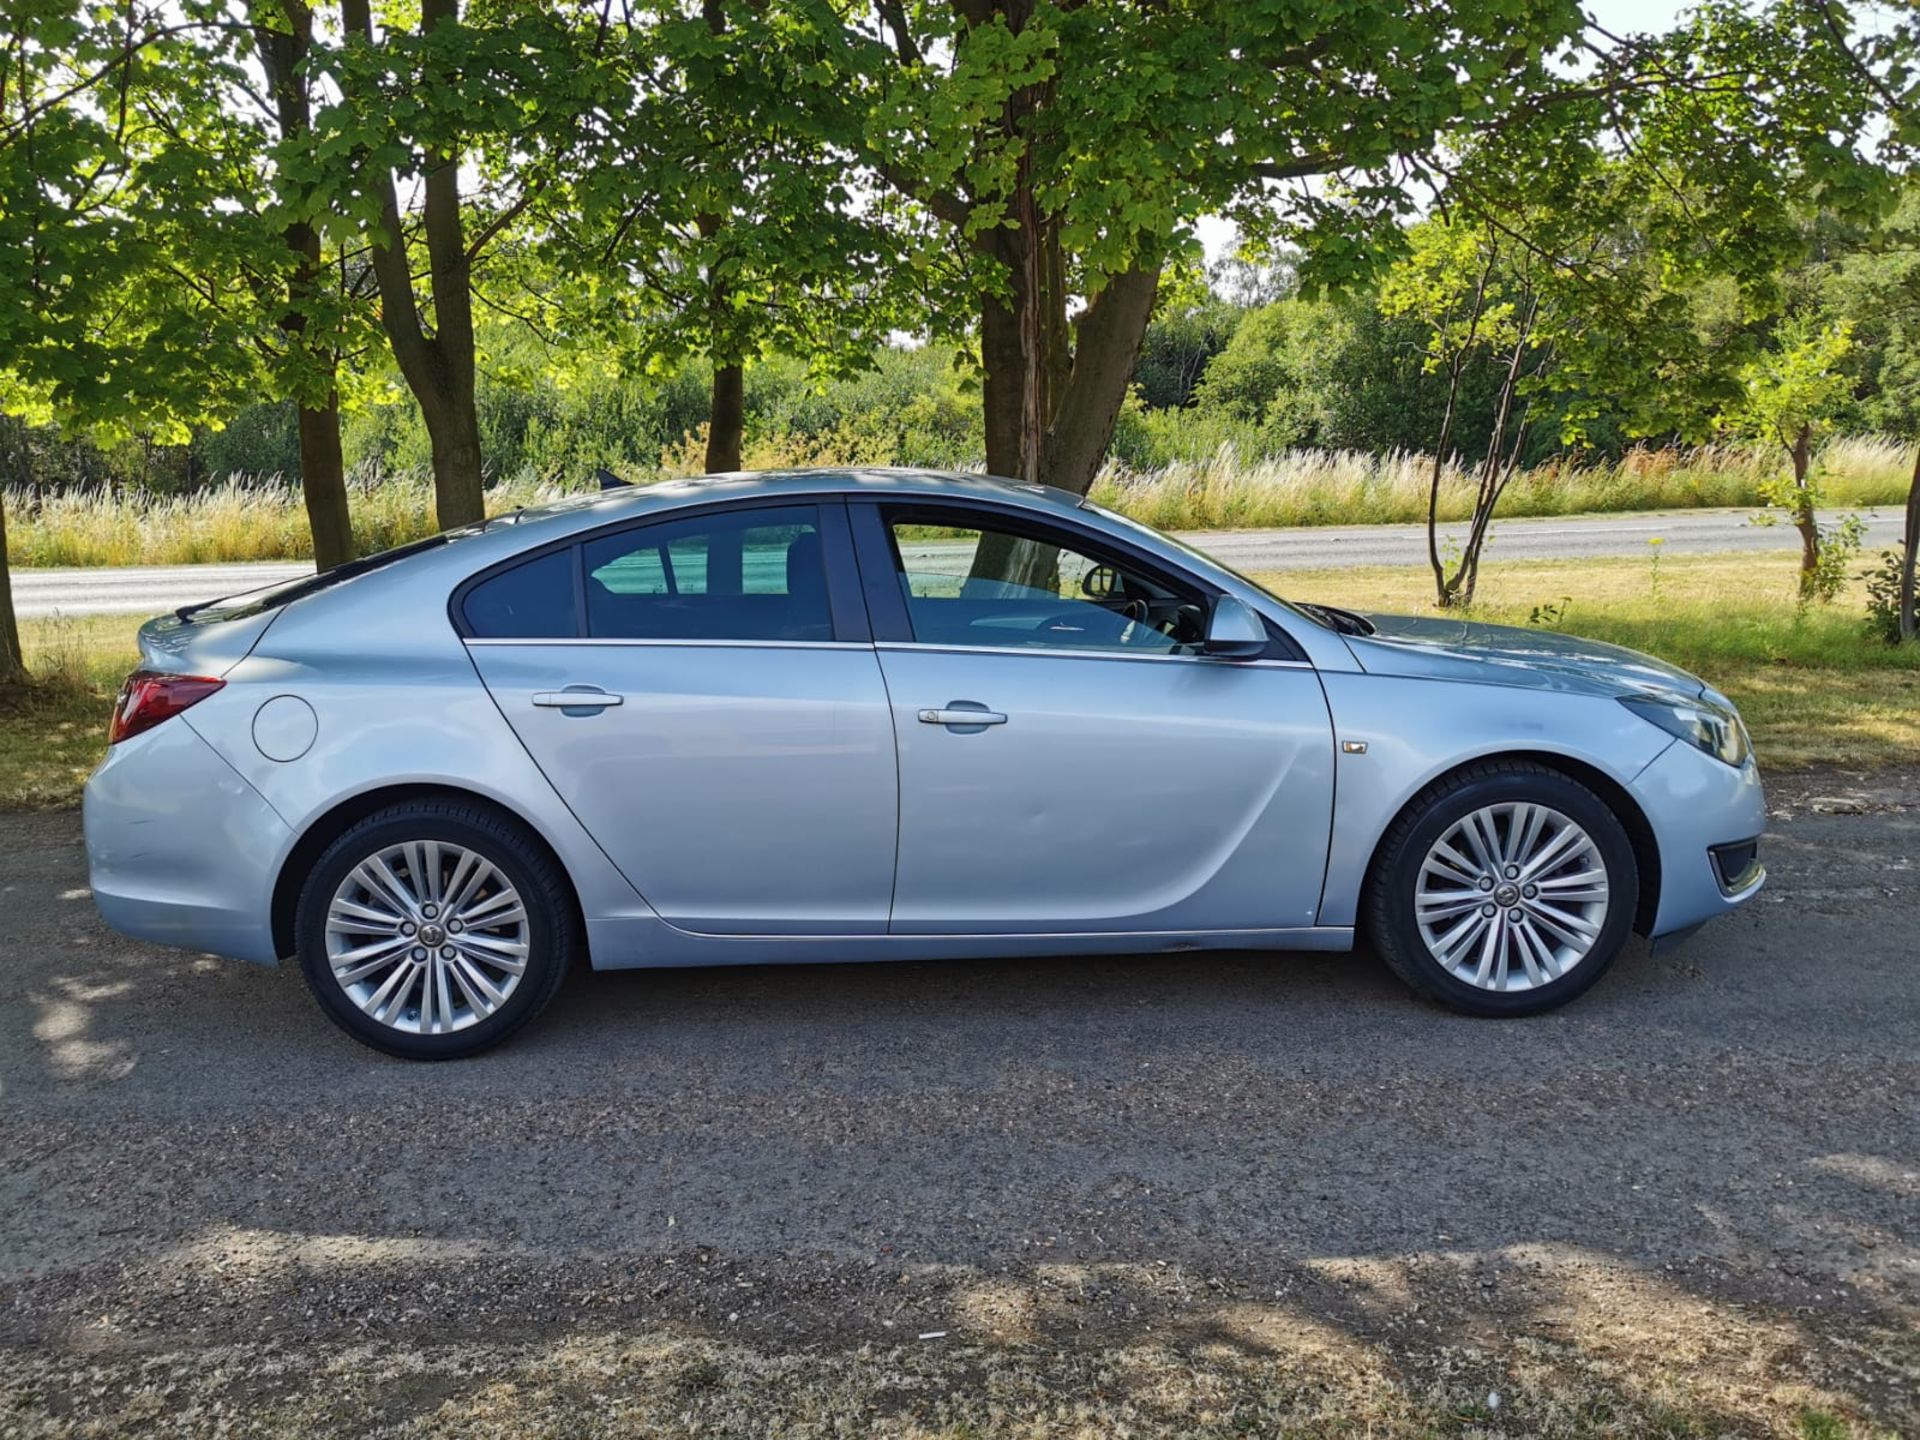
column 149, row 696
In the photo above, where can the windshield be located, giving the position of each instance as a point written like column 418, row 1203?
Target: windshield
column 1312, row 614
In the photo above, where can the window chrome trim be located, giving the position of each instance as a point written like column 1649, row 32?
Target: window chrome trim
column 1042, row 651
column 1030, row 651
column 655, row 642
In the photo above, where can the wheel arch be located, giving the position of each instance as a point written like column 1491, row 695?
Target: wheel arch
column 334, row 822
column 1646, row 846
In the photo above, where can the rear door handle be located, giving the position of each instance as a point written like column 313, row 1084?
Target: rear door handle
column 962, row 712
column 580, row 698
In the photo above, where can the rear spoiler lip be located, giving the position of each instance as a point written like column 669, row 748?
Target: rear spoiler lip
column 175, row 644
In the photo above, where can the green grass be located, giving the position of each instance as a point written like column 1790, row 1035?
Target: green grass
column 242, row 520
column 53, row 732
column 1814, row 687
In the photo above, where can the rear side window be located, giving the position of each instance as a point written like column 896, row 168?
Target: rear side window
column 738, row 575
column 531, row 601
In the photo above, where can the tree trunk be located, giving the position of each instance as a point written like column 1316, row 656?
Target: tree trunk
column 1088, row 404
column 453, row 435
column 13, row 661
column 1003, row 385
column 1804, row 519
column 15, row 468
column 323, row 476
column 323, row 481
column 1909, row 622
column 726, row 419
column 439, row 367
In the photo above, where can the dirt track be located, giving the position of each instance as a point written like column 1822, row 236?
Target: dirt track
column 1176, row 1191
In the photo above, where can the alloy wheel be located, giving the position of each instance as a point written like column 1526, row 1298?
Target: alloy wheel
column 1511, row 897
column 427, row 937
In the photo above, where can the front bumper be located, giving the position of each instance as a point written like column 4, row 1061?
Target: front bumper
column 1704, row 815
column 180, row 849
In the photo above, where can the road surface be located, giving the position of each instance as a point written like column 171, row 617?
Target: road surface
column 933, row 1199
column 150, row 590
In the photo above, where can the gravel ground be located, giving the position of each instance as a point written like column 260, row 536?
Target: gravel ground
column 1198, row 1194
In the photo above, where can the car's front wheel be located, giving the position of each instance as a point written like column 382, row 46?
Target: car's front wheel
column 434, row 929
column 1504, row 889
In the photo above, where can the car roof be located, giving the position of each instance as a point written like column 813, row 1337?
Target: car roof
column 637, row 500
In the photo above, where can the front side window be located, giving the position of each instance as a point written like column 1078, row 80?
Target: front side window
column 968, row 584
column 737, row 575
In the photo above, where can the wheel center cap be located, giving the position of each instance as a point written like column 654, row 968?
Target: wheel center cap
column 1507, row 895
column 431, row 934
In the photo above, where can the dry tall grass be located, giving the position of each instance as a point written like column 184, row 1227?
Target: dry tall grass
column 262, row 519
column 1321, row 487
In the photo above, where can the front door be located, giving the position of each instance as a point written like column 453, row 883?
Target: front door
column 717, row 720
column 1069, row 760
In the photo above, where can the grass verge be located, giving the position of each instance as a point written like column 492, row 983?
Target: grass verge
column 53, row 731
column 1814, row 687
column 263, row 519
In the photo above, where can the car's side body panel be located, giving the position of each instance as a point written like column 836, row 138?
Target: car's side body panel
column 1121, row 793
column 1416, row 730
column 743, row 789
column 180, row 848
column 394, row 705
column 640, row 943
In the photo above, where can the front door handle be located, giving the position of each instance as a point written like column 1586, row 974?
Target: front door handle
column 577, row 699
column 962, row 712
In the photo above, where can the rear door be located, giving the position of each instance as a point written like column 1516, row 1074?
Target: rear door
column 702, row 690
column 1069, row 759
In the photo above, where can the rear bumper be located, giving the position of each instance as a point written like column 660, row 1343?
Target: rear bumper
column 180, row 849
column 1707, row 818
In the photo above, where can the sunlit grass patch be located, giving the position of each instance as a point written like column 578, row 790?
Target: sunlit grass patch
column 54, row 731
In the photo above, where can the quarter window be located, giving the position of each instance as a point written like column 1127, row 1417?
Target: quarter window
column 531, row 601
column 736, row 575
column 1026, row 589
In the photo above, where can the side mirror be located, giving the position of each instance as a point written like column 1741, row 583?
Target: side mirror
column 1234, row 632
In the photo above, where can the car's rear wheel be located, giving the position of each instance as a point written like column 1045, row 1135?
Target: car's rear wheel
column 1506, row 888
column 434, row 929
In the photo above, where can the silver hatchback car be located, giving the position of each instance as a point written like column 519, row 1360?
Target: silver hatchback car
column 881, row 714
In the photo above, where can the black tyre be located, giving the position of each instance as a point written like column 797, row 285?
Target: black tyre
column 1506, row 888
column 434, row 929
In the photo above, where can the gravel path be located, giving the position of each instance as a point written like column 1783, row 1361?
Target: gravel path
column 1709, row 1168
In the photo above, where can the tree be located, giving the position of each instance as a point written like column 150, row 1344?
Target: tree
column 284, row 40
column 145, row 142
column 492, row 96
column 104, row 122
column 1069, row 149
column 1882, row 59
column 720, row 213
column 1790, row 396
column 1479, row 300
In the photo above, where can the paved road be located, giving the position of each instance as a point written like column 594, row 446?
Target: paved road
column 1699, row 1184
column 150, row 590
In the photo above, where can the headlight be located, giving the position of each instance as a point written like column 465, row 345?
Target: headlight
column 1715, row 729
